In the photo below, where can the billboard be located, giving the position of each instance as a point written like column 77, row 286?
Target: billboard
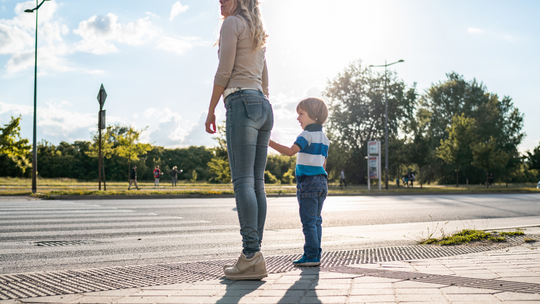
column 373, row 167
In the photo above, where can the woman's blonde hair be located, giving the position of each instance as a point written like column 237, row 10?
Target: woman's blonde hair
column 250, row 12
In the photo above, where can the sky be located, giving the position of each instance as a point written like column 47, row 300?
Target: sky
column 157, row 59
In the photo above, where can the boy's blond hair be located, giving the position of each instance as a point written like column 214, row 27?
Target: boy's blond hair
column 315, row 107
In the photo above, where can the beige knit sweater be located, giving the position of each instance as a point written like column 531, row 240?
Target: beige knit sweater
column 239, row 65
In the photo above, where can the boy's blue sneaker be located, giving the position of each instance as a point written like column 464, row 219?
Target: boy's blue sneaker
column 305, row 262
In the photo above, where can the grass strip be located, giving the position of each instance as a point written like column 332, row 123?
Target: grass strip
column 467, row 236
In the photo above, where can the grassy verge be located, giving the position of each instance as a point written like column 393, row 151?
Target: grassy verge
column 471, row 235
column 63, row 186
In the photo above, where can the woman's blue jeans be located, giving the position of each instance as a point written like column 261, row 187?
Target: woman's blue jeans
column 249, row 122
column 311, row 191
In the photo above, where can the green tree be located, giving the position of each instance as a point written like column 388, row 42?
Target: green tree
column 107, row 148
column 456, row 149
column 533, row 158
column 356, row 102
column 279, row 165
column 418, row 152
column 486, row 157
column 13, row 146
column 129, row 146
column 494, row 116
column 219, row 164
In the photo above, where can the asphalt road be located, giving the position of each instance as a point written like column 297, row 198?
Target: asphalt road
column 135, row 232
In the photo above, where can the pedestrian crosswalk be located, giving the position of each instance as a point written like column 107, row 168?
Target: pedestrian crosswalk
column 92, row 234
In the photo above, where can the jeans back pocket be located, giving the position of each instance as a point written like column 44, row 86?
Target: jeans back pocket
column 253, row 108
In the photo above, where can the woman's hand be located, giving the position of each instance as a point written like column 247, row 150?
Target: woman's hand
column 211, row 123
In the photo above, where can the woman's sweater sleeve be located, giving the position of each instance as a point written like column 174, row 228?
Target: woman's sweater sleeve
column 228, row 39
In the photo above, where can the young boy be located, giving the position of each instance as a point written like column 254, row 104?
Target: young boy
column 311, row 177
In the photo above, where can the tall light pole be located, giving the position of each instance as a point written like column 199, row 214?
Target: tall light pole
column 34, row 148
column 386, row 119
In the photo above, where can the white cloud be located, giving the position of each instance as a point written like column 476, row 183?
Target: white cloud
column 475, row 31
column 177, row 9
column 99, row 33
column 178, row 46
column 152, row 14
column 17, row 39
column 14, row 109
column 56, row 121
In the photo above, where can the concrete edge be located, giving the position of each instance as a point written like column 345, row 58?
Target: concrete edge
column 274, row 195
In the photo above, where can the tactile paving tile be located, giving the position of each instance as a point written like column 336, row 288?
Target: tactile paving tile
column 28, row 285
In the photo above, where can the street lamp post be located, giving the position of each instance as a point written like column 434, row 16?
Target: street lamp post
column 386, row 119
column 34, row 148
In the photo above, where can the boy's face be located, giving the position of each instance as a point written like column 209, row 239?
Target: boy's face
column 304, row 119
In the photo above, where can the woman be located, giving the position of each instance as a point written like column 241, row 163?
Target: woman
column 242, row 79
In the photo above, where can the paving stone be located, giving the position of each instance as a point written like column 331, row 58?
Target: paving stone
column 199, row 292
column 238, row 293
column 527, row 279
column 371, row 291
column 325, row 293
column 273, row 300
column 376, row 298
column 161, row 292
column 326, row 285
column 113, row 293
column 302, row 286
column 420, row 298
column 324, row 300
column 367, row 285
column 97, row 300
column 420, row 291
column 282, row 293
column 413, row 284
column 515, row 296
column 140, row 300
column 473, row 298
column 466, row 290
column 188, row 300
column 53, row 299
column 217, row 287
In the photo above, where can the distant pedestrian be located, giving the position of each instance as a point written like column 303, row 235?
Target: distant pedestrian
column 397, row 181
column 407, row 180
column 157, row 174
column 174, row 175
column 342, row 179
column 311, row 177
column 411, row 178
column 133, row 178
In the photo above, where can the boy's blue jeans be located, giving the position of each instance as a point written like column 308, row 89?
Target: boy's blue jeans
column 249, row 122
column 311, row 192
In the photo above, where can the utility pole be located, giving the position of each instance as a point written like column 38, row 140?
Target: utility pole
column 102, row 95
column 386, row 119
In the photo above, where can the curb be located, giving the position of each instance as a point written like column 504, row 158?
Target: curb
column 210, row 196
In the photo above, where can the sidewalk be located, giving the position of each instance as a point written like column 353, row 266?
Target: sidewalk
column 510, row 275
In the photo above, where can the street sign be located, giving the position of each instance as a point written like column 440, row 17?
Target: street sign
column 102, row 95
column 102, row 120
column 373, row 147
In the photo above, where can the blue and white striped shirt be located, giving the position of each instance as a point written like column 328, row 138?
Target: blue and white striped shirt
column 313, row 146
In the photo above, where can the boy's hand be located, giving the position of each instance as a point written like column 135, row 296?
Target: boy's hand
column 283, row 149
